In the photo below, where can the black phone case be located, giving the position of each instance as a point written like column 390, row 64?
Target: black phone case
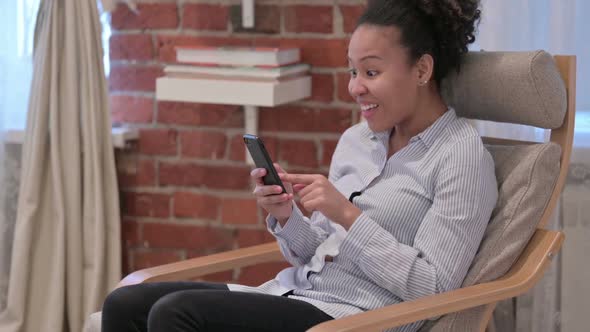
column 262, row 160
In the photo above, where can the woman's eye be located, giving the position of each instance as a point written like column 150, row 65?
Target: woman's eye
column 352, row 72
column 372, row 73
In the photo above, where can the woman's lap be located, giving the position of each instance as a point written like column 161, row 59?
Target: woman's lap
column 193, row 306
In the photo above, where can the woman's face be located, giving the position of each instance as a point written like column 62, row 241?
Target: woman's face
column 382, row 80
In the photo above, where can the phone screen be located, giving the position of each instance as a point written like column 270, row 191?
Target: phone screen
column 262, row 160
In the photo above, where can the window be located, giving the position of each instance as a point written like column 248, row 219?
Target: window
column 17, row 27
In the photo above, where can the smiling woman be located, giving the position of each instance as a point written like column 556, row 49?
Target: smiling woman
column 401, row 215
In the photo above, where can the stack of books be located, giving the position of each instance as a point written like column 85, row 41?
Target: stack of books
column 237, row 75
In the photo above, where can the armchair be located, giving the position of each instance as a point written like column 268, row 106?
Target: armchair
column 531, row 88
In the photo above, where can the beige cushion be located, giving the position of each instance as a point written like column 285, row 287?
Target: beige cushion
column 526, row 176
column 515, row 87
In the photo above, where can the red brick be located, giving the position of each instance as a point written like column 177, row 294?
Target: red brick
column 298, row 153
column 148, row 258
column 350, row 15
column 131, row 109
column 205, row 17
column 318, row 52
column 166, row 44
column 146, row 204
column 203, row 144
column 134, row 78
column 252, row 237
column 195, row 205
column 130, row 233
column 216, row 177
column 342, row 86
column 227, row 177
column 328, row 147
column 148, row 16
column 126, row 267
column 195, row 114
column 158, row 141
column 333, row 120
column 237, row 149
column 131, row 47
column 239, row 211
column 322, row 87
column 267, row 19
column 170, row 236
column 180, row 174
column 136, row 173
column 291, row 118
column 258, row 274
column 303, row 18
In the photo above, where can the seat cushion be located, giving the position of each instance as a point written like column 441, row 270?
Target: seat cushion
column 526, row 175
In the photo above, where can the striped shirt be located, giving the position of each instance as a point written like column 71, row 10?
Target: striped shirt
column 424, row 212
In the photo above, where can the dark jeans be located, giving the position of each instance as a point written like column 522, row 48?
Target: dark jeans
column 201, row 306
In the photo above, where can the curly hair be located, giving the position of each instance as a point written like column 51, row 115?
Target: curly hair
column 441, row 28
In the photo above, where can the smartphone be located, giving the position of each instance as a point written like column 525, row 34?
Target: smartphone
column 262, row 160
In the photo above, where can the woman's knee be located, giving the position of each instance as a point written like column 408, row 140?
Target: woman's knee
column 123, row 300
column 175, row 312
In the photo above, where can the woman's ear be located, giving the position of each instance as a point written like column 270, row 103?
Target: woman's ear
column 425, row 66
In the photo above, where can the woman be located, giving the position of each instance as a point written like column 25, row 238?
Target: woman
column 409, row 195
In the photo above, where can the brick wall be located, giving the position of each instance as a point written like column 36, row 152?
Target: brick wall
column 185, row 188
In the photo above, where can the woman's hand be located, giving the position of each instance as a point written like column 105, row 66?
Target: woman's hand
column 270, row 198
column 317, row 193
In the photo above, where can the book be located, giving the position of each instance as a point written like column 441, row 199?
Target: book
column 271, row 73
column 238, row 56
column 233, row 92
column 235, row 77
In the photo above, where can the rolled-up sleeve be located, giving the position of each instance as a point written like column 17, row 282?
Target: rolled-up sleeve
column 300, row 236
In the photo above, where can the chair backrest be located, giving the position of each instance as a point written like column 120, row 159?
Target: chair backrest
column 529, row 88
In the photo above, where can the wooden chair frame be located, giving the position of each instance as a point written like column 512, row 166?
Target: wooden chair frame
column 522, row 276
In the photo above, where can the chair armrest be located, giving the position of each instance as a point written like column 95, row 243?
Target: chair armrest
column 522, row 276
column 200, row 266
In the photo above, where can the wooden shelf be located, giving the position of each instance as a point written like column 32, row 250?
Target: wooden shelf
column 250, row 94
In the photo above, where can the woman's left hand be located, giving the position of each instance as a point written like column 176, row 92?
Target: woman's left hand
column 319, row 194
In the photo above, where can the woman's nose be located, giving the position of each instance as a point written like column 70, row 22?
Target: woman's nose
column 356, row 87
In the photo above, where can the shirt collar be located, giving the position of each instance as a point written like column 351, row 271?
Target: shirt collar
column 428, row 136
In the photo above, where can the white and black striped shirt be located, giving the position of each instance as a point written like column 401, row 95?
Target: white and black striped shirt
column 424, row 212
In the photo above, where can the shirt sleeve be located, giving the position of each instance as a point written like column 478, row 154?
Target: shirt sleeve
column 465, row 194
column 300, row 237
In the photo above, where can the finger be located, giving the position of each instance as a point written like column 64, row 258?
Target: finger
column 275, row 199
column 309, row 203
column 262, row 191
column 299, row 178
column 279, row 168
column 298, row 187
column 257, row 175
column 312, row 190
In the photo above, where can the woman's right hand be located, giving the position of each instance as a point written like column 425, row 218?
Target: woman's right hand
column 270, row 198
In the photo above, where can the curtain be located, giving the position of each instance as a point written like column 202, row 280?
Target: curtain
column 559, row 27
column 16, row 39
column 66, row 252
